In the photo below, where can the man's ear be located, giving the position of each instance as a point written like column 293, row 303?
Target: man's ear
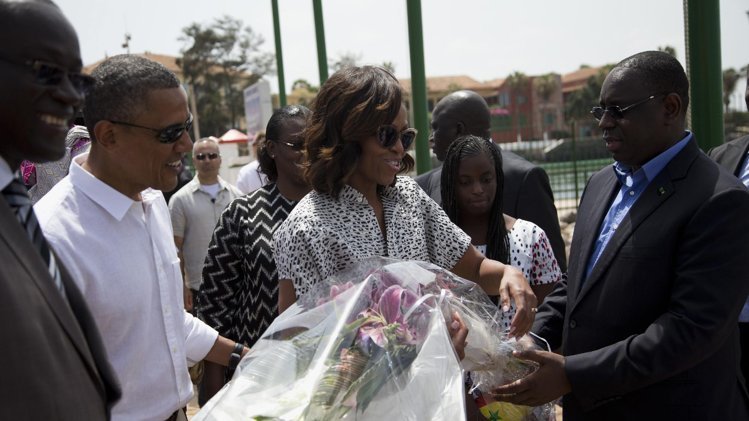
column 673, row 107
column 460, row 128
column 104, row 134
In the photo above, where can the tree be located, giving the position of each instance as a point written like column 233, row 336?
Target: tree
column 546, row 85
column 219, row 61
column 302, row 92
column 578, row 103
column 668, row 49
column 303, row 84
column 730, row 78
column 389, row 66
column 518, row 82
column 347, row 59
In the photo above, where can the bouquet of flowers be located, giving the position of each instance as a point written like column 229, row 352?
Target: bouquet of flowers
column 368, row 343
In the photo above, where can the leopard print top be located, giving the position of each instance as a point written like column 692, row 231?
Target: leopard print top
column 323, row 235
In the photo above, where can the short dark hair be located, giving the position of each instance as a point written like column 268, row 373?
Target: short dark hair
column 273, row 130
column 350, row 106
column 661, row 73
column 121, row 86
column 497, row 241
column 9, row 9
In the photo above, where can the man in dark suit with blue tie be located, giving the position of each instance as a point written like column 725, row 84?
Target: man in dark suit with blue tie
column 52, row 362
column 657, row 270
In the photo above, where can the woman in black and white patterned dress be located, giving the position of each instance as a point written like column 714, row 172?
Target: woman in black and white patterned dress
column 356, row 142
column 239, row 294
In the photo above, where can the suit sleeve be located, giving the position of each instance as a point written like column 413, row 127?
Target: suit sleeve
column 549, row 322
column 536, row 204
column 709, row 288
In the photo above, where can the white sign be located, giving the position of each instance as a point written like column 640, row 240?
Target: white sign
column 257, row 106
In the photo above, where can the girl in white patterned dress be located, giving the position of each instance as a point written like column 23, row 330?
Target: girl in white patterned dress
column 472, row 184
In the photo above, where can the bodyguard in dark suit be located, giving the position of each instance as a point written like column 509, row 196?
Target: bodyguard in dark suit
column 52, row 362
column 657, row 276
column 733, row 157
column 526, row 194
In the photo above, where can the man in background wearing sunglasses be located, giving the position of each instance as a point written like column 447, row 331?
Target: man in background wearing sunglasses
column 53, row 364
column 195, row 209
column 110, row 225
column 646, row 320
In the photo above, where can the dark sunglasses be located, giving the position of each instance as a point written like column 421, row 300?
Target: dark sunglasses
column 168, row 134
column 387, row 135
column 49, row 74
column 210, row 156
column 296, row 146
column 615, row 111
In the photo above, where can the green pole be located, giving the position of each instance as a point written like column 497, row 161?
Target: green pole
column 279, row 55
column 702, row 32
column 322, row 55
column 418, row 85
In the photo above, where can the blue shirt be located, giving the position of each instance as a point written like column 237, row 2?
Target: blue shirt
column 633, row 183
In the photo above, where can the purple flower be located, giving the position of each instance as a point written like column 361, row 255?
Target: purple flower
column 395, row 302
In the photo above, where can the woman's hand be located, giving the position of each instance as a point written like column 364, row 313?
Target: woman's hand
column 515, row 286
column 458, row 333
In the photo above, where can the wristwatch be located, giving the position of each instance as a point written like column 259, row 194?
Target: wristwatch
column 235, row 356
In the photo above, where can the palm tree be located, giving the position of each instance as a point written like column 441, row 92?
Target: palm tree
column 517, row 81
column 578, row 103
column 545, row 85
column 730, row 78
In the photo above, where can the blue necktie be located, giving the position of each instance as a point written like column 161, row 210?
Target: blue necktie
column 17, row 197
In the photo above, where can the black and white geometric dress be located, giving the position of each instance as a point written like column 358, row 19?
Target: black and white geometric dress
column 239, row 295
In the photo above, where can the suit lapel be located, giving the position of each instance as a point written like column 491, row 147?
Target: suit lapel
column 28, row 257
column 657, row 192
column 735, row 154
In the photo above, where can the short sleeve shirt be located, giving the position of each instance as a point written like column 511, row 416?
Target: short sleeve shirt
column 324, row 235
column 530, row 251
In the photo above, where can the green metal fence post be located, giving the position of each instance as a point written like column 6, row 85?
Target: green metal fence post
column 418, row 84
column 279, row 55
column 322, row 55
column 702, row 32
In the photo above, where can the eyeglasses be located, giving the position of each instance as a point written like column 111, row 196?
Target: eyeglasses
column 296, row 146
column 168, row 134
column 49, row 74
column 615, row 111
column 387, row 135
column 210, row 156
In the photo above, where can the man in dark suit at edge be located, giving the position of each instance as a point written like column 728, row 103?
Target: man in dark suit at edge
column 526, row 192
column 733, row 157
column 52, row 362
column 657, row 272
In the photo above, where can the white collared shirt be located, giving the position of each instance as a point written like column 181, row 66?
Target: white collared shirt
column 121, row 254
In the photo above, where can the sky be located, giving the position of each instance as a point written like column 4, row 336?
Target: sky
column 484, row 39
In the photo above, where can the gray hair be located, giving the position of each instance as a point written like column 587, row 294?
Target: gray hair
column 122, row 84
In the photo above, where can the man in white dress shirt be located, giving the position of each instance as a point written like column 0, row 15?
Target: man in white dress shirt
column 110, row 225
